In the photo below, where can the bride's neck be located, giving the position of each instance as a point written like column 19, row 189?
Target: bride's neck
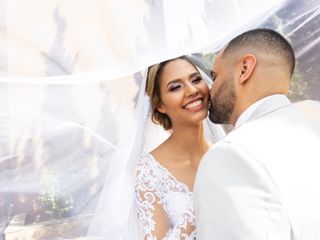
column 189, row 140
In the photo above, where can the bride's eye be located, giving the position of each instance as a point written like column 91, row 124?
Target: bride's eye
column 174, row 88
column 197, row 79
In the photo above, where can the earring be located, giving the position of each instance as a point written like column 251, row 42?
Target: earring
column 209, row 104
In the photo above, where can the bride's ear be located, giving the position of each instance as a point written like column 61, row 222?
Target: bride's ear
column 161, row 108
column 247, row 65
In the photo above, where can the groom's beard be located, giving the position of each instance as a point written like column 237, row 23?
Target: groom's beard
column 223, row 103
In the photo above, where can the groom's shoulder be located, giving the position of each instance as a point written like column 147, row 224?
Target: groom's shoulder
column 226, row 153
column 240, row 140
column 224, row 147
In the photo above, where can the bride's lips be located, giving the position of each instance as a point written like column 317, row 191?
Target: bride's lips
column 194, row 105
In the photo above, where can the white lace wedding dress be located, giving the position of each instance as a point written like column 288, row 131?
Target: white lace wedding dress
column 155, row 185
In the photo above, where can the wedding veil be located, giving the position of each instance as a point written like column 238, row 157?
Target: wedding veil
column 74, row 117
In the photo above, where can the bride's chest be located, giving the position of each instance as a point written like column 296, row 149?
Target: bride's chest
column 178, row 205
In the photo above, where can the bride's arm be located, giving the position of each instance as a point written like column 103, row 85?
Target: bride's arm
column 153, row 220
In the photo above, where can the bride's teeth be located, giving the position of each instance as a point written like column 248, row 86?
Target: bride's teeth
column 193, row 104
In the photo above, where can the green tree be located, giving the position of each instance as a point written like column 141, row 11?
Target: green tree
column 54, row 202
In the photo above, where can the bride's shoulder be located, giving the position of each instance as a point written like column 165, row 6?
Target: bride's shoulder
column 152, row 155
column 159, row 149
column 150, row 160
column 146, row 160
column 147, row 169
column 145, row 157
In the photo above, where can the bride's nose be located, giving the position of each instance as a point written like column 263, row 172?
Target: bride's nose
column 191, row 90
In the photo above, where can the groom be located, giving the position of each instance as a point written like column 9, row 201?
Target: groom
column 262, row 181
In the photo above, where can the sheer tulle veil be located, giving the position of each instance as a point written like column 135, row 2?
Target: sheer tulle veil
column 74, row 116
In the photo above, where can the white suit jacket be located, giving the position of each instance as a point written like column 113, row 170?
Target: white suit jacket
column 262, row 181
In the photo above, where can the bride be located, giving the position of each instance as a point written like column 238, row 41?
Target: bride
column 179, row 98
column 148, row 190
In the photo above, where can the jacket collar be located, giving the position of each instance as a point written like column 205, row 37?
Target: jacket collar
column 266, row 106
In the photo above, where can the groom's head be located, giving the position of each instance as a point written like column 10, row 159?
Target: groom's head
column 255, row 64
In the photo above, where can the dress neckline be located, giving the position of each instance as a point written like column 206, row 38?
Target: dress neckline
column 184, row 185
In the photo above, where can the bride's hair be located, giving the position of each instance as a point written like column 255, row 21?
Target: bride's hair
column 153, row 91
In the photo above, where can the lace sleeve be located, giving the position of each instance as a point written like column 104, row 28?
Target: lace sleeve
column 153, row 220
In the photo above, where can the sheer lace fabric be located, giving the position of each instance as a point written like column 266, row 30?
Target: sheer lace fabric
column 155, row 185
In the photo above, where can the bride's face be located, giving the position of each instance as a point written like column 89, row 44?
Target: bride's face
column 184, row 93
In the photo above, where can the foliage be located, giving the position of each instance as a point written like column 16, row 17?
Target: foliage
column 54, row 202
column 274, row 22
column 299, row 88
column 208, row 60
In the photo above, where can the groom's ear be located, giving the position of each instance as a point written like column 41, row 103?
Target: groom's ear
column 247, row 66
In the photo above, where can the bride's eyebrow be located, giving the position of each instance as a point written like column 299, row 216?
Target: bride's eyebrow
column 194, row 74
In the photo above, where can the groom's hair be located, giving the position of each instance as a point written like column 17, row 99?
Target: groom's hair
column 264, row 40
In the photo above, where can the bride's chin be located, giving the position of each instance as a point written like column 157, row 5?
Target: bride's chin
column 203, row 116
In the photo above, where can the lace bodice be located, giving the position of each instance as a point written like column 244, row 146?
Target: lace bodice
column 156, row 186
